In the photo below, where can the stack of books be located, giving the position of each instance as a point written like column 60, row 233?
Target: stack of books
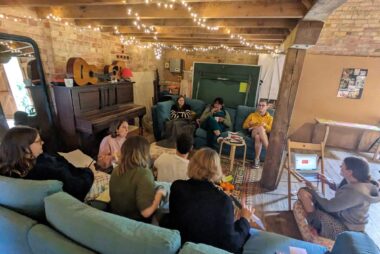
column 234, row 137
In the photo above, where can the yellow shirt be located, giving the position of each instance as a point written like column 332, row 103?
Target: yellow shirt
column 258, row 119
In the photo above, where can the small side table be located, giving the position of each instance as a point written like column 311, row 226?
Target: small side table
column 233, row 150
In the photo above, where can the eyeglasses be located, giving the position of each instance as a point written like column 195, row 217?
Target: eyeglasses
column 262, row 105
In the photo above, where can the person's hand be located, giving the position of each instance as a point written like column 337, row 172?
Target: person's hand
column 326, row 180
column 221, row 119
column 247, row 212
column 161, row 192
column 213, row 110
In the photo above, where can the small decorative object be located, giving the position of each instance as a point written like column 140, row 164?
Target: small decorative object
column 352, row 83
column 69, row 82
column 126, row 73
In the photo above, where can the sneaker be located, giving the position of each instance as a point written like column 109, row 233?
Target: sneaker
column 257, row 163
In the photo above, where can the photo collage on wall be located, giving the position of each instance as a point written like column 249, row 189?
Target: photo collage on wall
column 352, row 83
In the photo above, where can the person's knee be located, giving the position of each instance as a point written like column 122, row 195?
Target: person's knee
column 257, row 139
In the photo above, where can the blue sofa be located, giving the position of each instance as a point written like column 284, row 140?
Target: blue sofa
column 161, row 113
column 37, row 217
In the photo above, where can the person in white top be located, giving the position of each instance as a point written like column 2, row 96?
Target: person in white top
column 171, row 167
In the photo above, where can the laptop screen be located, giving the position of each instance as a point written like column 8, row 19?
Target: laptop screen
column 306, row 162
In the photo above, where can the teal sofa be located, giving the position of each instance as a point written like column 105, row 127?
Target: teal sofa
column 161, row 113
column 37, row 217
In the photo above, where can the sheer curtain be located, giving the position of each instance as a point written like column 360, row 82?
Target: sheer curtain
column 271, row 72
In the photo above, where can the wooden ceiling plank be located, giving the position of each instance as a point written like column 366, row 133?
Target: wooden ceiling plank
column 242, row 9
column 198, row 30
column 187, row 22
column 39, row 3
column 216, row 36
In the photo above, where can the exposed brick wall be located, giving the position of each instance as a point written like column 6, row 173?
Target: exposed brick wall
column 218, row 56
column 353, row 29
column 57, row 43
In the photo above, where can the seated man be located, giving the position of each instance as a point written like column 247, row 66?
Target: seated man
column 259, row 124
column 171, row 167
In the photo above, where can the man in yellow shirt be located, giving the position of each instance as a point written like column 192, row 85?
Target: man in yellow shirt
column 259, row 124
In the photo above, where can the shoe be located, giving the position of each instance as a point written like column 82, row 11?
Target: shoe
column 257, row 163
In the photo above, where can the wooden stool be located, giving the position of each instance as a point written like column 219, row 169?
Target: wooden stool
column 233, row 150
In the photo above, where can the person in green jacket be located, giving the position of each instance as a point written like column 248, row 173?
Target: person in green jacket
column 215, row 120
column 132, row 189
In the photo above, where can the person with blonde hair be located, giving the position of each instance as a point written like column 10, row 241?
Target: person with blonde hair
column 201, row 211
column 132, row 187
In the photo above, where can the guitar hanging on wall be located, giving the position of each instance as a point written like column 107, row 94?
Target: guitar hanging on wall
column 83, row 73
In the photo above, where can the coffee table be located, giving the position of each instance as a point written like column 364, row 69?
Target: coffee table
column 233, row 151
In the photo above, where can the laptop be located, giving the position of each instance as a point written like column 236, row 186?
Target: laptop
column 307, row 165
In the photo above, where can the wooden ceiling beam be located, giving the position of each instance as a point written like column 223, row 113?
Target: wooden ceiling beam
column 206, row 41
column 198, row 30
column 274, row 37
column 45, row 3
column 322, row 9
column 243, row 9
column 187, row 22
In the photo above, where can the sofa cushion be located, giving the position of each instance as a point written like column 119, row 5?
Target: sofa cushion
column 43, row 239
column 107, row 233
column 232, row 113
column 14, row 229
column 200, row 248
column 196, row 105
column 265, row 242
column 163, row 113
column 354, row 243
column 27, row 196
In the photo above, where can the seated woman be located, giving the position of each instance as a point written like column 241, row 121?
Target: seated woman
column 22, row 156
column 201, row 211
column 348, row 210
column 109, row 150
column 180, row 122
column 132, row 188
column 215, row 120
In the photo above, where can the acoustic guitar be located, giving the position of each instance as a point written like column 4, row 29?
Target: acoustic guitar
column 115, row 69
column 81, row 71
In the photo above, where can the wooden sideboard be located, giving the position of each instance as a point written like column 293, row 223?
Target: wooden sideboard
column 86, row 112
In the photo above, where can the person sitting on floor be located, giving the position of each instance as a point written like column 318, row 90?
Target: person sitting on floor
column 215, row 120
column 201, row 211
column 348, row 209
column 180, row 122
column 171, row 167
column 132, row 187
column 259, row 124
column 109, row 149
column 22, row 156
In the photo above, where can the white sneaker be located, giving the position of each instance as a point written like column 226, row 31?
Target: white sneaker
column 257, row 163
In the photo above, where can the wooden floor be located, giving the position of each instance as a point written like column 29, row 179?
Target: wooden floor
column 273, row 206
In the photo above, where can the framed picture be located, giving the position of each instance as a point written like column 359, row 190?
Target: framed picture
column 352, row 83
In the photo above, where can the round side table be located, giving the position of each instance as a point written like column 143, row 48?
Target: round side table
column 233, row 150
